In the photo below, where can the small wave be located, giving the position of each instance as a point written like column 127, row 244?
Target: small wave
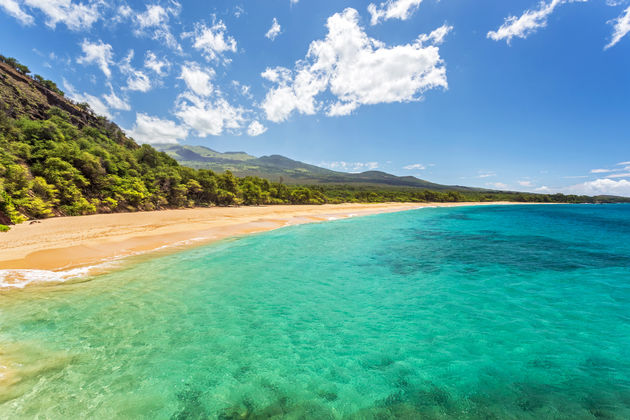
column 18, row 279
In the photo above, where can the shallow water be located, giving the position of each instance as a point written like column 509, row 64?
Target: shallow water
column 478, row 312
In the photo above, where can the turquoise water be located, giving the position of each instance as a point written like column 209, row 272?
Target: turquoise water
column 501, row 312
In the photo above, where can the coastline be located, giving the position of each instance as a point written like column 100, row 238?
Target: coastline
column 59, row 248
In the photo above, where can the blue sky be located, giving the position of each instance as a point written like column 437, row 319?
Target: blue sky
column 521, row 95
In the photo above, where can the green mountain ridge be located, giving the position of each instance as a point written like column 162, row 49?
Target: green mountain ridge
column 281, row 168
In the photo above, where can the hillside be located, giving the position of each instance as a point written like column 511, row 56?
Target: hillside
column 58, row 158
column 276, row 167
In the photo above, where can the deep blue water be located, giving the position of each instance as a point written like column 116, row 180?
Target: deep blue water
column 474, row 312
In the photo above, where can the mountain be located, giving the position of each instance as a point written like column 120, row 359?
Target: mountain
column 280, row 168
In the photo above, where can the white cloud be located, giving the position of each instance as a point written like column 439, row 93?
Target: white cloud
column 154, row 21
column 136, row 79
column 350, row 166
column 624, row 163
column 97, row 53
column 393, row 9
column 154, row 16
column 13, row 8
column 486, row 174
column 95, row 103
column 149, row 129
column 415, row 166
column 212, row 41
column 497, row 185
column 621, row 26
column 356, row 69
column 600, row 171
column 74, row 16
column 274, row 31
column 543, row 189
column 622, row 175
column 197, row 79
column 124, row 11
column 602, row 187
column 256, row 129
column 525, row 183
column 159, row 66
column 528, row 22
column 209, row 116
column 243, row 89
column 115, row 101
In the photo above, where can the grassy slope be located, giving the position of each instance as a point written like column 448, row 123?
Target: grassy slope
column 276, row 167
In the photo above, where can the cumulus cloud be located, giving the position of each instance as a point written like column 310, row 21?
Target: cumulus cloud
column 209, row 116
column 356, row 69
column 212, row 41
column 139, row 81
column 350, row 166
column 123, row 12
column 115, row 102
column 392, row 9
column 97, row 53
column 256, row 129
column 136, row 79
column 76, row 16
column 95, row 103
column 526, row 24
column 621, row 26
column 602, row 187
column 159, row 66
column 149, row 129
column 13, row 8
column 154, row 21
column 274, row 31
column 197, row 79
column 415, row 167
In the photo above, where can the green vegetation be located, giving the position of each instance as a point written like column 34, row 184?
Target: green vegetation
column 48, row 84
column 22, row 69
column 54, row 163
column 4, row 228
column 371, row 194
column 51, row 167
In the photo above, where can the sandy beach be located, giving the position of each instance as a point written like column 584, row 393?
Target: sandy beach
column 69, row 243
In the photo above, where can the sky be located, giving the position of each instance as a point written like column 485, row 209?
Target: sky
column 520, row 94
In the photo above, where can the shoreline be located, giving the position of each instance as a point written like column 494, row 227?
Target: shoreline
column 57, row 249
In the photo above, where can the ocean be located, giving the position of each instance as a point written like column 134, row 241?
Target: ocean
column 494, row 312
